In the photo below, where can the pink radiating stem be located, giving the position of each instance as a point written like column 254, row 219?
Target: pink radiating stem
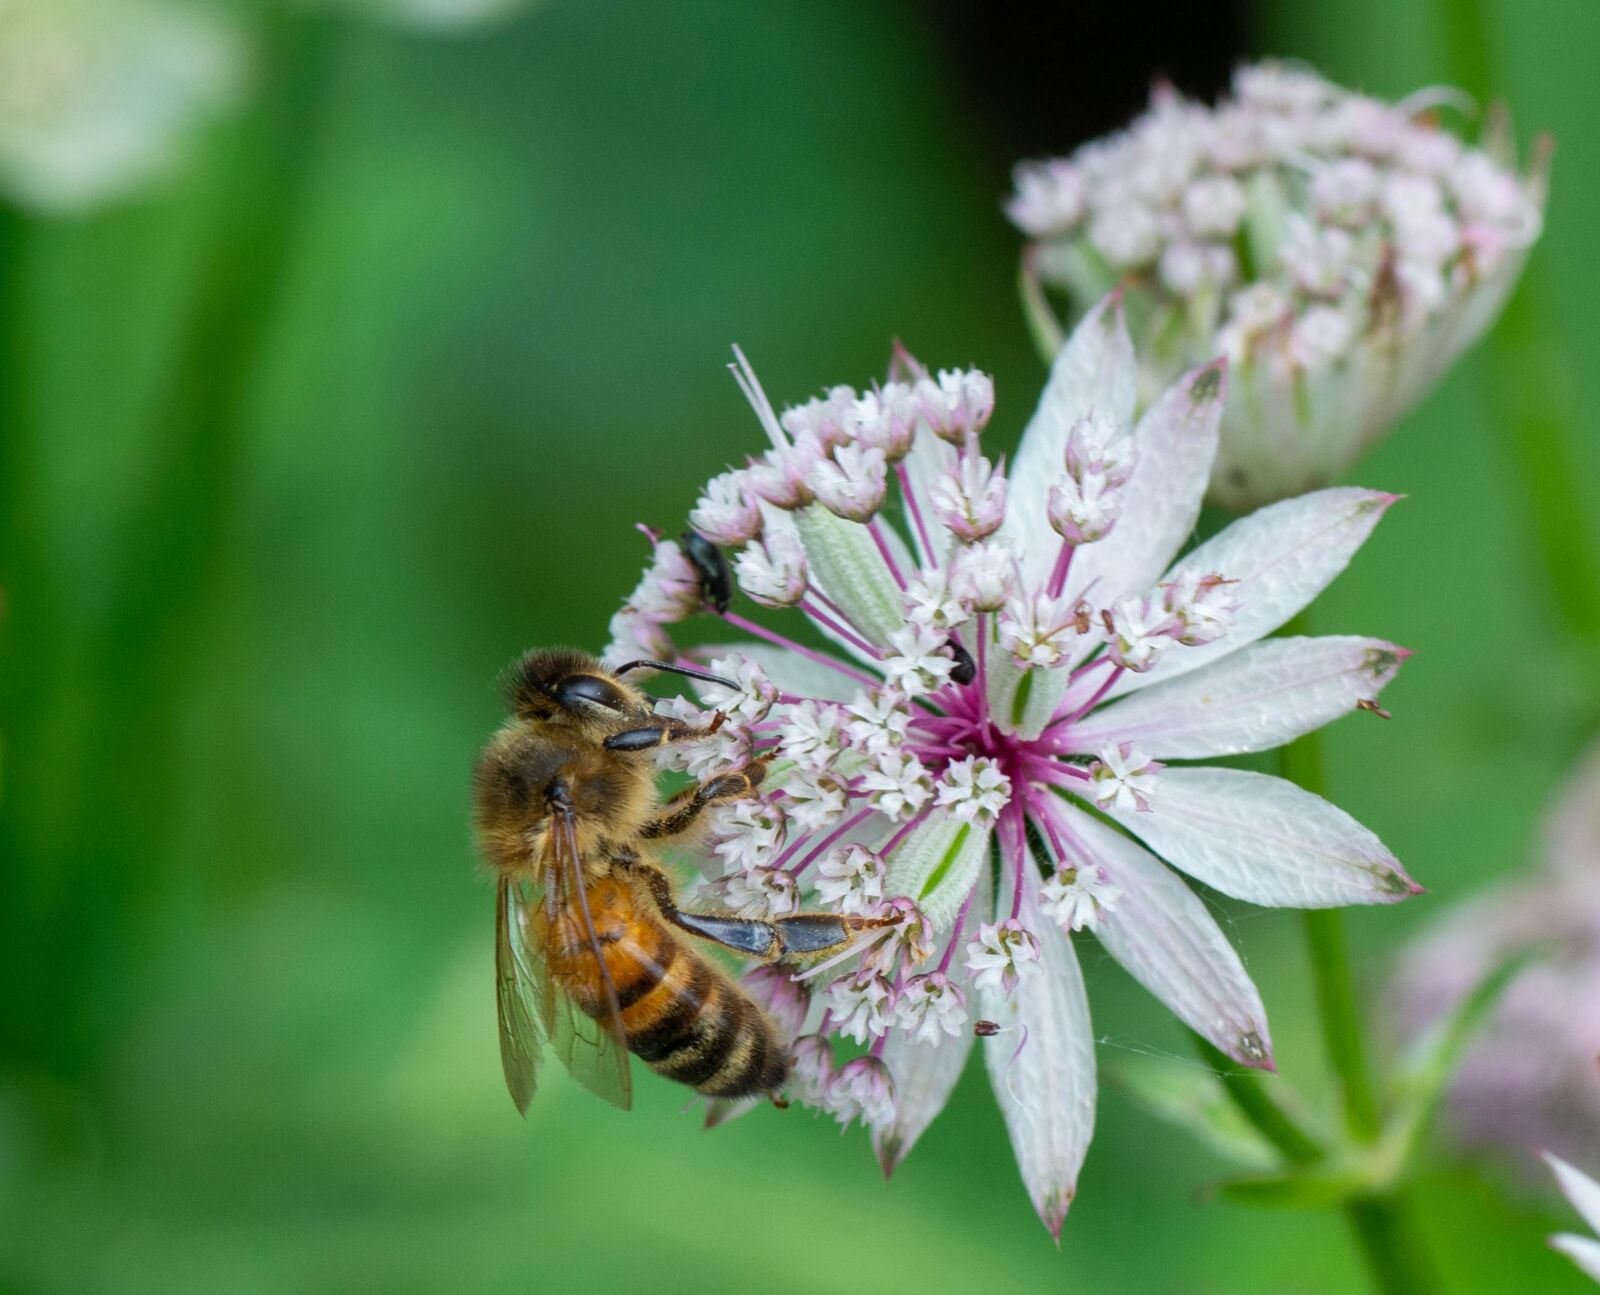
column 1101, row 691
column 1011, row 848
column 827, row 841
column 1058, row 577
column 1055, row 773
column 929, row 556
column 811, row 654
column 955, row 931
column 893, row 843
column 842, row 630
column 876, row 531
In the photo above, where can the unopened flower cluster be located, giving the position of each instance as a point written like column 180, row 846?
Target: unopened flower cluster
column 968, row 684
column 1341, row 251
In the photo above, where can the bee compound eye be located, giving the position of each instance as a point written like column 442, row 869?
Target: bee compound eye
column 590, row 688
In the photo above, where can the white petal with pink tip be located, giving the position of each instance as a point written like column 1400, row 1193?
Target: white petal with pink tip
column 1166, row 940
column 1265, row 840
column 1252, row 700
column 1280, row 558
column 1041, row 1067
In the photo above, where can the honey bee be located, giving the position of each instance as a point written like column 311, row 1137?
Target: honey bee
column 593, row 957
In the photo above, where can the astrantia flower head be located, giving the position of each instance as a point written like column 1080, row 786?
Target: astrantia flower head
column 1532, row 1077
column 1003, row 720
column 96, row 96
column 1339, row 250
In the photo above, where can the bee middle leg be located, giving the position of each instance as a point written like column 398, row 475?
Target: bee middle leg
column 802, row 935
column 679, row 813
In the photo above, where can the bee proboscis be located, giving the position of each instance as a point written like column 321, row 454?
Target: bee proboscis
column 593, row 957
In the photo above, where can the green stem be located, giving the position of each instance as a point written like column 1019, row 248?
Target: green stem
column 1341, row 1022
column 1538, row 422
column 1043, row 327
column 1248, row 1092
column 1396, row 1258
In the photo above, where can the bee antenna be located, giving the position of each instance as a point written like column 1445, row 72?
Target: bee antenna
column 703, row 675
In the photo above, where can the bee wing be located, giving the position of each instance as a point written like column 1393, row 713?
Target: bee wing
column 522, row 986
column 594, row 1050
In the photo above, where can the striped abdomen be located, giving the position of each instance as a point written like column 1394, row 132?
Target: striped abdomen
column 681, row 1016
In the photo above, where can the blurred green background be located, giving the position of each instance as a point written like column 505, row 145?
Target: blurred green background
column 484, row 289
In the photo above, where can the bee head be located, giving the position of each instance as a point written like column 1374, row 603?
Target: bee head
column 548, row 683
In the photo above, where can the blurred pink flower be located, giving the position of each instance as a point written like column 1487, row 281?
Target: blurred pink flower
column 1533, row 1078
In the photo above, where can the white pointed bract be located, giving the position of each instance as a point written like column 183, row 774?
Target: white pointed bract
column 1584, row 1193
column 998, row 686
column 97, row 96
column 1532, row 1077
column 1340, row 251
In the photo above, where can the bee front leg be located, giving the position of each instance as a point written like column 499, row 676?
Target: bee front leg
column 682, row 810
column 803, row 935
column 661, row 730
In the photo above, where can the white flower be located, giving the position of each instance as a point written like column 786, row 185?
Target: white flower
column 773, row 570
column 811, row 733
column 970, row 499
column 1076, row 897
column 983, row 575
column 727, row 513
column 851, row 879
column 811, row 1070
column 920, row 662
column 974, row 789
column 1098, row 446
column 1039, row 631
column 747, row 833
column 878, row 721
column 932, row 602
column 862, row 1005
column 761, row 892
column 752, row 697
column 1084, row 509
column 1202, row 606
column 1137, row 632
column 958, row 405
column 1124, row 778
column 862, row 1090
column 885, row 420
column 852, row 483
column 1002, row 955
column 897, row 785
column 815, row 799
column 1049, row 198
column 932, row 1007
column 98, row 96
column 1300, row 230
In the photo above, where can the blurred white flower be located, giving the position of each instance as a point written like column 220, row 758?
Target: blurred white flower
column 97, row 96
column 1340, row 251
column 442, row 16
